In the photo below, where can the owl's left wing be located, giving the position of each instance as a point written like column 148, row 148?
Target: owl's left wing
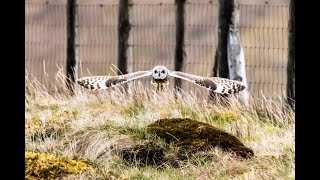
column 216, row 84
column 104, row 82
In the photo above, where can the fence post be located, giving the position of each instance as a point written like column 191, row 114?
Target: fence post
column 291, row 57
column 179, row 51
column 220, row 69
column 71, row 56
column 123, row 35
column 236, row 61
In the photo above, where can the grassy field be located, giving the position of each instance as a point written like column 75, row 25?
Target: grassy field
column 84, row 127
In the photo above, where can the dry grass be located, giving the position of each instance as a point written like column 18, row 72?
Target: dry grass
column 87, row 124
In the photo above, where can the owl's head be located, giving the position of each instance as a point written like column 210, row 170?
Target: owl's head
column 159, row 72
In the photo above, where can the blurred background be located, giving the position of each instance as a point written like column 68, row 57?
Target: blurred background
column 263, row 31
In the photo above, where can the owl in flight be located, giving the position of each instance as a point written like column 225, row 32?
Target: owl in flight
column 160, row 76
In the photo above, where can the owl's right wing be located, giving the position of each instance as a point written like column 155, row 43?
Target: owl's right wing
column 104, row 82
column 216, row 84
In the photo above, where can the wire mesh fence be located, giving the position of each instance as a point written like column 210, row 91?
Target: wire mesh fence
column 96, row 36
column 262, row 30
column 45, row 38
column 264, row 35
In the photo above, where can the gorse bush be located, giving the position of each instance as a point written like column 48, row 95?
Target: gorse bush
column 45, row 166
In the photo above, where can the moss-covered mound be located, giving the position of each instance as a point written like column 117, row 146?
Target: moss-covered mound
column 45, row 166
column 197, row 136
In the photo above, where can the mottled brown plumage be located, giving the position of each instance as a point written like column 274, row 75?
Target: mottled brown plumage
column 160, row 76
column 104, row 82
column 216, row 84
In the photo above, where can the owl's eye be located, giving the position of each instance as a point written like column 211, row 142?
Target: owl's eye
column 162, row 71
column 155, row 71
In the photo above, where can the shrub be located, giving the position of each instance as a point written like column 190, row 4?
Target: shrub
column 45, row 166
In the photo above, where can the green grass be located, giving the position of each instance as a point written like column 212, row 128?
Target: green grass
column 88, row 124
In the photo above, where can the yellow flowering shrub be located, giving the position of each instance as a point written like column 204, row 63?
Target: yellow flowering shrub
column 46, row 166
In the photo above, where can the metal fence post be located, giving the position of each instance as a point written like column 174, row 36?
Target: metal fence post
column 220, row 68
column 71, row 58
column 123, row 35
column 179, row 51
column 291, row 57
column 236, row 60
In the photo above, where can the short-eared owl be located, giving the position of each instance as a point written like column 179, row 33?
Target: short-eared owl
column 160, row 76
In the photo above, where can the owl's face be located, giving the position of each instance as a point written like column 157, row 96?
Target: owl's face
column 159, row 72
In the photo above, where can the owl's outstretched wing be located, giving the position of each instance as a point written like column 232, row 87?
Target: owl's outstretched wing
column 104, row 82
column 216, row 84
